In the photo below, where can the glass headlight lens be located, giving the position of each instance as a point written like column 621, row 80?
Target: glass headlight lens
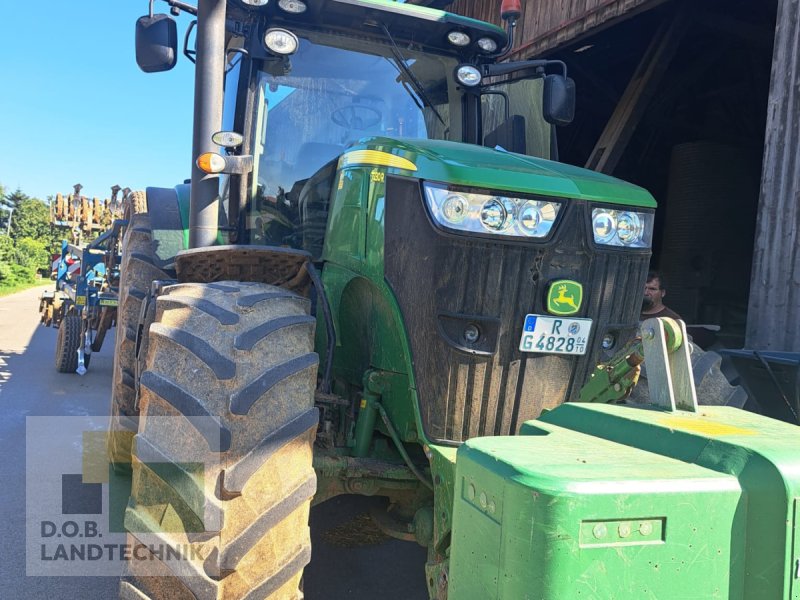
column 292, row 6
column 281, row 41
column 497, row 214
column 488, row 213
column 487, row 45
column 530, row 215
column 622, row 228
column 536, row 217
column 629, row 228
column 604, row 226
column 468, row 75
column 454, row 208
column 227, row 139
column 458, row 38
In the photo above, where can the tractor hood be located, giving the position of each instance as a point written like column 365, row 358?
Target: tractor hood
column 476, row 166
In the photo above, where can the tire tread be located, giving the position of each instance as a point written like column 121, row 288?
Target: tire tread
column 265, row 480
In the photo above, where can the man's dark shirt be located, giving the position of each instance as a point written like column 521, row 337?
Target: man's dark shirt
column 664, row 312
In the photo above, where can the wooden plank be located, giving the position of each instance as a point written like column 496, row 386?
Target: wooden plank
column 549, row 24
column 773, row 318
column 669, row 374
column 620, row 127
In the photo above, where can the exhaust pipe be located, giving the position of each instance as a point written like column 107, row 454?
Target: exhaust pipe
column 208, row 84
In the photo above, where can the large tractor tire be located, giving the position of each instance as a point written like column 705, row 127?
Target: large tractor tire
column 229, row 375
column 137, row 272
column 135, row 204
column 67, row 344
column 713, row 388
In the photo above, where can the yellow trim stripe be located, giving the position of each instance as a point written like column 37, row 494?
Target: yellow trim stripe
column 376, row 158
column 704, row 426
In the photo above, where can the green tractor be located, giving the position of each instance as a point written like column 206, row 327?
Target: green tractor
column 378, row 277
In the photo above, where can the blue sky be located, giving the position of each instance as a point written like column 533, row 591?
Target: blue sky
column 74, row 107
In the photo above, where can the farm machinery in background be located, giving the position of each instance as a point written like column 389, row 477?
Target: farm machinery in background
column 85, row 217
column 83, row 305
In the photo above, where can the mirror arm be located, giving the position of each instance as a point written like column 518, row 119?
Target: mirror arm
column 561, row 64
column 493, row 70
column 187, row 8
column 190, row 54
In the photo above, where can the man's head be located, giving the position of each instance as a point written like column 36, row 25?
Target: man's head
column 654, row 292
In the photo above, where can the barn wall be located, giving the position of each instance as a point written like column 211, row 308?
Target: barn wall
column 545, row 25
column 773, row 319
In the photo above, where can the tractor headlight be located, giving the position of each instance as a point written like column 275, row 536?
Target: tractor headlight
column 454, row 208
column 295, row 7
column 458, row 38
column 490, row 213
column 468, row 75
column 487, row 44
column 497, row 214
column 604, row 226
column 281, row 41
column 622, row 228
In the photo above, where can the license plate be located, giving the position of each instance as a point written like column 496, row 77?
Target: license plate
column 555, row 335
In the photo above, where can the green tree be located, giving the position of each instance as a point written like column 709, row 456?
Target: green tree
column 4, row 209
column 10, row 203
column 16, row 197
column 32, row 220
column 8, row 251
column 33, row 253
column 28, row 247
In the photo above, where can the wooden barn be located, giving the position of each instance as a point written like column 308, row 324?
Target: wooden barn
column 699, row 102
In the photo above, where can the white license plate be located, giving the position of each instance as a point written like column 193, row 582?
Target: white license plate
column 555, row 335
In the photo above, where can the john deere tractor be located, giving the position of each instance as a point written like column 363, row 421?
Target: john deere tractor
column 377, row 281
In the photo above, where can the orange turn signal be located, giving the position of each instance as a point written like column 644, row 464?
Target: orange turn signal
column 210, row 162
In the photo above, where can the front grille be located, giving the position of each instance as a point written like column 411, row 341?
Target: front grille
column 437, row 276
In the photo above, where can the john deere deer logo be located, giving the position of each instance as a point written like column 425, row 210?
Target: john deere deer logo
column 565, row 297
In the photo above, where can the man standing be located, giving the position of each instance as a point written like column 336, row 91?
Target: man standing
column 652, row 302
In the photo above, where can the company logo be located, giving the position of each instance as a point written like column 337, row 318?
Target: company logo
column 78, row 517
column 565, row 297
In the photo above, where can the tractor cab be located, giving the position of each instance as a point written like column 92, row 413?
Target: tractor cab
column 306, row 80
column 308, row 108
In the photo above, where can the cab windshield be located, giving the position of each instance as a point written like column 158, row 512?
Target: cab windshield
column 309, row 109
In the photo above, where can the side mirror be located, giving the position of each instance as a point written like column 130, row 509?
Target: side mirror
column 559, row 100
column 156, row 43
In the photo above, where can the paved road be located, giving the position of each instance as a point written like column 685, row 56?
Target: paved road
column 342, row 565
